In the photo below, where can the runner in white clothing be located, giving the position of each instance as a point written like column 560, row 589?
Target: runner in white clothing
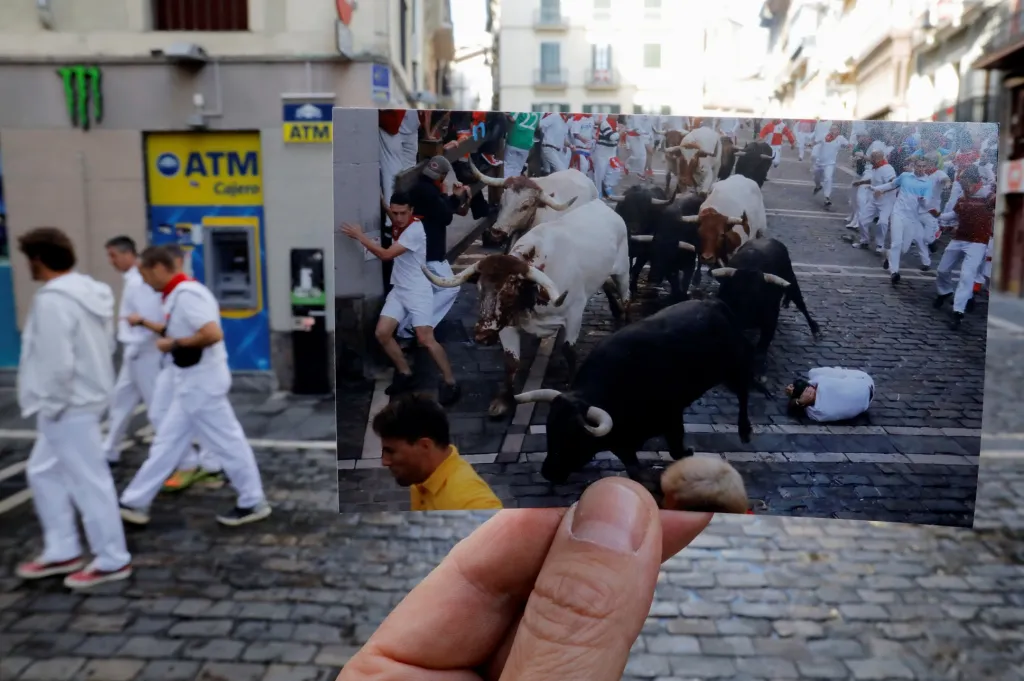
column 140, row 361
column 830, row 394
column 554, row 132
column 825, row 161
column 199, row 405
column 65, row 377
column 411, row 295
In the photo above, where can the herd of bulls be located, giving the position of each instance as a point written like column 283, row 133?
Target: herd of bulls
column 563, row 245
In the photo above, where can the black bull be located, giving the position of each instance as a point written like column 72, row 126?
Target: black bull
column 757, row 283
column 754, row 161
column 659, row 237
column 635, row 384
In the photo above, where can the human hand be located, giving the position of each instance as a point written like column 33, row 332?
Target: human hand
column 351, row 231
column 452, row 144
column 878, row 194
column 134, row 319
column 538, row 594
column 164, row 344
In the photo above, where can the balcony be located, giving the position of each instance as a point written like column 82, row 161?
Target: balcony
column 550, row 20
column 601, row 79
column 971, row 110
column 1006, row 45
column 550, row 79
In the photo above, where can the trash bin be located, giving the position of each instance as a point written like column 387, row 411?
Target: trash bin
column 310, row 348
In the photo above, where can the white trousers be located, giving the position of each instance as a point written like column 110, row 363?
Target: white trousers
column 823, row 174
column 554, row 159
column 135, row 383
column 163, row 394
column 515, row 159
column 391, row 159
column 930, row 224
column 907, row 230
column 973, row 257
column 637, row 145
column 66, row 472
column 955, row 192
column 776, row 155
column 603, row 156
column 443, row 298
column 802, row 138
column 210, row 417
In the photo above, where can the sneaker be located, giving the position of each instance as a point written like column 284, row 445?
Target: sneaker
column 828, row 203
column 895, row 278
column 241, row 516
column 933, row 246
column 90, row 577
column 879, row 249
column 181, row 480
column 448, row 394
column 957, row 318
column 925, row 268
column 401, row 383
column 885, row 264
column 135, row 516
column 36, row 569
column 860, row 244
column 940, row 300
column 817, row 188
column 210, row 479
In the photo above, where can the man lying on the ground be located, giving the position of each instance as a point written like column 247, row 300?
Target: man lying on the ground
column 831, row 394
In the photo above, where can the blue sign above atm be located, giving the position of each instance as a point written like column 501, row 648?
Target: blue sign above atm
column 308, row 122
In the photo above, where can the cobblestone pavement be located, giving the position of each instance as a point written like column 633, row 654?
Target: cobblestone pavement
column 912, row 458
column 292, row 598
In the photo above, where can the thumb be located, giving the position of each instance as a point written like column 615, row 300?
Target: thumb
column 594, row 591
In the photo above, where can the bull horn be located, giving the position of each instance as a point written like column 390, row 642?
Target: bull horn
column 674, row 149
column 617, row 197
column 542, row 395
column 734, row 221
column 723, row 272
column 740, row 153
column 685, row 246
column 602, row 422
column 451, row 282
column 642, row 238
column 767, row 157
column 689, row 218
column 550, row 202
column 778, row 281
column 544, row 281
column 660, row 202
column 489, row 181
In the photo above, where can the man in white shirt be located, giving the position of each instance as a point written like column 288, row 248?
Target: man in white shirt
column 882, row 173
column 825, row 161
column 554, row 132
column 932, row 206
column 199, row 407
column 830, row 394
column 65, row 378
column 141, row 360
column 199, row 466
column 408, row 134
column 411, row 296
column 641, row 144
column 582, row 132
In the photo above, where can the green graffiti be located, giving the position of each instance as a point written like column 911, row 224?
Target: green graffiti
column 82, row 87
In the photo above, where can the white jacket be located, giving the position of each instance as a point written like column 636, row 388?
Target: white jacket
column 67, row 348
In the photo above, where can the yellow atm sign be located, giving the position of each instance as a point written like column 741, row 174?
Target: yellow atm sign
column 204, row 169
column 308, row 123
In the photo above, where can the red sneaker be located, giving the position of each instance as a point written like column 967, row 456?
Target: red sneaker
column 90, row 577
column 36, row 569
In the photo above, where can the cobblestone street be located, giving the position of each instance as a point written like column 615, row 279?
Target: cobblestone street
column 912, row 457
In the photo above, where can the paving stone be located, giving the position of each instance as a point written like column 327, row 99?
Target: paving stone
column 337, row 656
column 110, row 670
column 691, row 667
column 101, row 645
column 214, row 649
column 100, row 624
column 171, row 670
column 276, row 651
column 316, row 633
column 769, row 667
column 673, row 645
column 148, row 647
column 224, row 671
column 10, row 667
column 822, row 669
column 201, row 629
column 282, row 672
column 870, row 670
column 57, row 669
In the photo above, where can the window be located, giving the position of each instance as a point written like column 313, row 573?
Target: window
column 666, row 111
column 602, row 4
column 639, row 109
column 652, row 56
column 601, row 58
column 652, row 4
column 550, row 62
column 602, row 108
column 200, row 15
column 550, row 10
column 545, row 107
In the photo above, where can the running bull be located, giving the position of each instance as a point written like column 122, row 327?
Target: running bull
column 544, row 282
column 754, row 161
column 699, row 161
column 635, row 384
column 758, row 282
column 731, row 215
column 529, row 201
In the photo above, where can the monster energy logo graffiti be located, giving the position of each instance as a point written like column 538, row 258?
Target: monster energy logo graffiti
column 82, row 88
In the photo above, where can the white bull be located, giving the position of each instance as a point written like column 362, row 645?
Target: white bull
column 701, row 160
column 732, row 214
column 529, row 201
column 544, row 282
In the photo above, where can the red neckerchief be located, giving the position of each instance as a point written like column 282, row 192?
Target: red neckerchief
column 173, row 283
column 829, row 137
column 881, row 163
column 612, row 123
column 398, row 232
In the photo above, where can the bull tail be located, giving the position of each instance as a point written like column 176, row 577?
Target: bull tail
column 793, row 293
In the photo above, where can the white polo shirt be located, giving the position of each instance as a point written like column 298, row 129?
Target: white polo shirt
column 189, row 307
column 138, row 297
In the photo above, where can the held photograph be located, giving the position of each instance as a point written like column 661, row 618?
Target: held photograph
column 746, row 315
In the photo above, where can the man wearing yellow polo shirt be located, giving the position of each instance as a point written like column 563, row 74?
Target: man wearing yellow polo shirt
column 417, row 449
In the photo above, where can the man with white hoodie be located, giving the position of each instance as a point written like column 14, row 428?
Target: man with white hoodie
column 65, row 379
column 199, row 408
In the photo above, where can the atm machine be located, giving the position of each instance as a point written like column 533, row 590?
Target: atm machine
column 229, row 267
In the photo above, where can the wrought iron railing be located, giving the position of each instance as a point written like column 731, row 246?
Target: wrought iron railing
column 548, row 77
